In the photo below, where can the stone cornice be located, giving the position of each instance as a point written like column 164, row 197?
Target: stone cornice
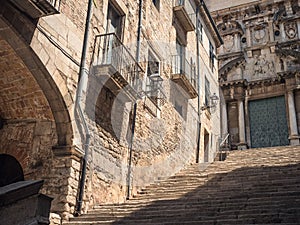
column 230, row 55
column 268, row 81
column 242, row 82
column 68, row 151
column 245, row 83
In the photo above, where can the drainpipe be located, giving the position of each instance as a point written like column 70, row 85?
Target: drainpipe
column 139, row 31
column 130, row 152
column 137, row 57
column 82, row 78
column 199, row 82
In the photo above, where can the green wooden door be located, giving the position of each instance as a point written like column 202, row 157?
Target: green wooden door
column 268, row 123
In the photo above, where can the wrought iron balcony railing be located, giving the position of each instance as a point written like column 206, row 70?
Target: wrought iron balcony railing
column 184, row 73
column 185, row 13
column 113, row 59
column 38, row 8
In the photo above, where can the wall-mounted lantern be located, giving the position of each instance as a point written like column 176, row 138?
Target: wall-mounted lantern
column 214, row 99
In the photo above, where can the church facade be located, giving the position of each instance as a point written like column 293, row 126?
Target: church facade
column 259, row 72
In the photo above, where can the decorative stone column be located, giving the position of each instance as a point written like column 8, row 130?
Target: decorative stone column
column 298, row 22
column 242, row 136
column 249, row 41
column 271, row 31
column 248, row 36
column 282, row 31
column 237, row 42
column 294, row 137
column 224, row 120
column 247, row 119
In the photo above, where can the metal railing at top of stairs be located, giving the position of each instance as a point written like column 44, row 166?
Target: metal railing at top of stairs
column 225, row 140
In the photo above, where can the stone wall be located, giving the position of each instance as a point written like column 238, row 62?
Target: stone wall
column 164, row 141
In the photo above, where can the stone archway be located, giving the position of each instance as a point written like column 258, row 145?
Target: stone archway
column 20, row 58
column 29, row 131
column 36, row 108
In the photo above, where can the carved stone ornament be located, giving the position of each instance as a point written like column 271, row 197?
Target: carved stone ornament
column 291, row 30
column 229, row 27
column 259, row 67
column 228, row 42
column 262, row 66
column 259, row 34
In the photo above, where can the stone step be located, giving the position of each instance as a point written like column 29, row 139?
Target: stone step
column 226, row 183
column 256, row 186
column 260, row 216
column 172, row 183
column 211, row 172
column 236, row 209
column 219, row 204
column 200, row 200
column 191, row 222
column 264, row 192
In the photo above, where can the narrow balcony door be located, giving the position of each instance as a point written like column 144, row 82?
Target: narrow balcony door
column 111, row 44
column 180, row 49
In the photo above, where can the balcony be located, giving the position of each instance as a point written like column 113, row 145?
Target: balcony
column 116, row 66
column 184, row 74
column 37, row 8
column 185, row 13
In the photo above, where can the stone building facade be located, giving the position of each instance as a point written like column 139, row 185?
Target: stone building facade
column 259, row 71
column 99, row 98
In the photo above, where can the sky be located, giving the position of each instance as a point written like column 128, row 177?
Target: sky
column 214, row 5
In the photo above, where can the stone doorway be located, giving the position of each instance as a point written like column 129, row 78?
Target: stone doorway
column 10, row 170
column 206, row 146
column 268, row 123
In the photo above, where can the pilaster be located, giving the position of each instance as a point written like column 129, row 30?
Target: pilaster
column 224, row 120
column 66, row 173
column 242, row 136
column 294, row 136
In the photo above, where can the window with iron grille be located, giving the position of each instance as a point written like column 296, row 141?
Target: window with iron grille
column 207, row 92
column 200, row 31
column 211, row 56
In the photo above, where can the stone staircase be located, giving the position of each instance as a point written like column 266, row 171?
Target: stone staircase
column 255, row 186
